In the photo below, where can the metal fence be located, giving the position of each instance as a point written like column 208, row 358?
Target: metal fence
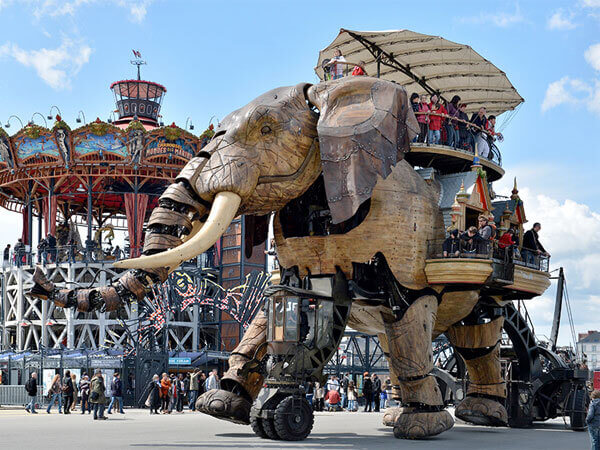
column 16, row 395
column 479, row 248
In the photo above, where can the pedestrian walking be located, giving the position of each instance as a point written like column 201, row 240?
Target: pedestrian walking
column 352, row 397
column 31, row 388
column 116, row 389
column 165, row 386
column 55, row 394
column 75, row 391
column 376, row 392
column 97, row 395
column 84, row 389
column 67, row 390
column 212, row 382
column 593, row 420
column 319, row 398
column 194, row 388
column 153, row 401
column 367, row 392
column 180, row 393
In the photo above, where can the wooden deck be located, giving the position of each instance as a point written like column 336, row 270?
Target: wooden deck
column 467, row 271
column 448, row 160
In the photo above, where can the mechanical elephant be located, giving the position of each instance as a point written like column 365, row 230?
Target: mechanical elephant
column 327, row 159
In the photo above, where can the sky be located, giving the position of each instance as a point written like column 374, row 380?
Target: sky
column 214, row 57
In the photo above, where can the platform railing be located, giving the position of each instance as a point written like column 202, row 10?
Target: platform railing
column 480, row 248
column 471, row 135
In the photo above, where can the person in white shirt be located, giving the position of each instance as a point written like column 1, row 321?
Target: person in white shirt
column 212, row 382
column 333, row 384
column 337, row 70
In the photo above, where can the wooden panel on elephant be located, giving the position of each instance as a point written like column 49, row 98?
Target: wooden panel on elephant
column 409, row 339
column 425, row 390
column 367, row 318
column 476, row 336
column 458, row 271
column 403, row 216
column 497, row 390
column 454, row 306
column 530, row 280
column 383, row 342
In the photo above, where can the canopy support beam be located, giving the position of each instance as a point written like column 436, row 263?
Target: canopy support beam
column 386, row 58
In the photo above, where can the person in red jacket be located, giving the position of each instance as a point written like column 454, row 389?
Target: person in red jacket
column 333, row 400
column 436, row 112
column 507, row 239
column 359, row 69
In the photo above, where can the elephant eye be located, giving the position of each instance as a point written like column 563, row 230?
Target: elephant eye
column 266, row 129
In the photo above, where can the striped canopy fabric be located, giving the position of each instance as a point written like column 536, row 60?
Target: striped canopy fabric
column 427, row 64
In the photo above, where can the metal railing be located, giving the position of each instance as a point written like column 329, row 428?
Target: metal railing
column 479, row 248
column 467, row 138
column 64, row 254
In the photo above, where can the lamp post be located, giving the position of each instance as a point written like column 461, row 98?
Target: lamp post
column 39, row 114
column 50, row 117
column 7, row 125
column 190, row 122
column 111, row 117
column 79, row 116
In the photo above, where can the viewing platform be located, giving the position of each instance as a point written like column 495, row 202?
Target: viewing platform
column 447, row 160
column 499, row 271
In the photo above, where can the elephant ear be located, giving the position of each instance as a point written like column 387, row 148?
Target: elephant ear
column 365, row 127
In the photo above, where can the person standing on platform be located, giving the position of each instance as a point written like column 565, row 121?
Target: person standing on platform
column 532, row 247
column 6, row 260
column 67, row 390
column 97, row 395
column 116, row 394
column 31, row 388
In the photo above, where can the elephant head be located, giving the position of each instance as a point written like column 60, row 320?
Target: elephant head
column 272, row 150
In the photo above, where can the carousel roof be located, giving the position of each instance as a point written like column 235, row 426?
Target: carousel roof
column 427, row 64
column 138, row 89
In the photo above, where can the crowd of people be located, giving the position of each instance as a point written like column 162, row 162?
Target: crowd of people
column 345, row 395
column 164, row 395
column 484, row 239
column 440, row 122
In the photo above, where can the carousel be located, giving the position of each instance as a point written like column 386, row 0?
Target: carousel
column 99, row 178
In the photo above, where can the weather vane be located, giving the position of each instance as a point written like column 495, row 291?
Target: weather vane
column 138, row 62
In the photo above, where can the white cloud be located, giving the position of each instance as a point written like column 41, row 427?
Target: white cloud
column 571, row 233
column 561, row 21
column 499, row 19
column 58, row 8
column 591, row 3
column 592, row 56
column 575, row 91
column 55, row 66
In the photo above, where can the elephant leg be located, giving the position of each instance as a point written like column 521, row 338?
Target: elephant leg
column 411, row 357
column 168, row 225
column 391, row 414
column 478, row 344
column 239, row 388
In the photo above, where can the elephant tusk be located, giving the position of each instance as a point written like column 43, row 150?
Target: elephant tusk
column 222, row 212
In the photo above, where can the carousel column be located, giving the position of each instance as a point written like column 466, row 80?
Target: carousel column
column 102, row 316
column 70, row 312
column 20, row 307
column 30, row 224
column 89, row 243
column 136, row 238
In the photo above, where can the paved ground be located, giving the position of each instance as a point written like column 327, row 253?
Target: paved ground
column 138, row 429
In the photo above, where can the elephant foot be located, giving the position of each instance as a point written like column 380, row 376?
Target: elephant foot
column 225, row 405
column 415, row 424
column 482, row 411
column 42, row 287
column 390, row 416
